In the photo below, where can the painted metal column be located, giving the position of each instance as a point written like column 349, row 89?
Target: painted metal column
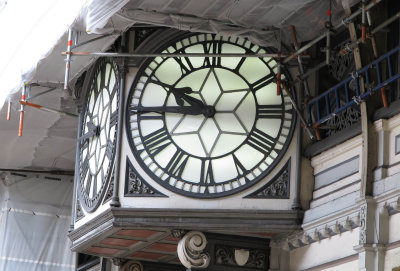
column 76, row 175
column 122, row 72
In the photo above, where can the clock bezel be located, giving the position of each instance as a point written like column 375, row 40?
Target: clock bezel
column 143, row 65
column 90, row 79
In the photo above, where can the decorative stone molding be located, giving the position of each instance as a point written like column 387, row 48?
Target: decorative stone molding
column 191, row 250
column 227, row 256
column 132, row 266
column 277, row 188
column 321, row 232
column 396, row 205
column 363, row 224
column 177, row 233
column 118, row 261
column 78, row 213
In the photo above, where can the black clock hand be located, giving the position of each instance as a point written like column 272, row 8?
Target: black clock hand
column 93, row 131
column 180, row 97
column 189, row 110
column 87, row 136
column 181, row 94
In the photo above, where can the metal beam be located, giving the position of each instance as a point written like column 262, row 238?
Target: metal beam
column 134, row 55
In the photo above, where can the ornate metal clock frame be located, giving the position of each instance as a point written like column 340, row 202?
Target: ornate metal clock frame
column 98, row 133
column 166, row 89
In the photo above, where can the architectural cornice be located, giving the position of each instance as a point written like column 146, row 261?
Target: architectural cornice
column 221, row 221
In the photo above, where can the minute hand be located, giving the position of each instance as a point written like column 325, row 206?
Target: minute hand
column 188, row 110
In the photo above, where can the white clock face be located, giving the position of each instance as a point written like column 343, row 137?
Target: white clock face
column 98, row 133
column 208, row 127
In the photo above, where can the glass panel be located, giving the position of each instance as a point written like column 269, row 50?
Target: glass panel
column 227, row 143
column 208, row 134
column 248, row 156
column 226, row 169
column 98, row 81
column 108, row 73
column 106, row 163
column 211, row 89
column 102, row 152
column 91, row 100
column 112, row 133
column 267, row 95
column 92, row 160
column 193, row 80
column 197, row 62
column 149, row 126
column 154, row 95
column 230, row 80
column 165, row 155
column 114, row 104
column 269, row 126
column 192, row 170
column 229, row 123
column 189, row 123
column 253, row 69
column 190, row 143
column 99, row 183
column 229, row 101
column 247, row 111
column 169, row 71
column 172, row 121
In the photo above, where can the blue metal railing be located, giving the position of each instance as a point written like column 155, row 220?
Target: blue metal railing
column 332, row 95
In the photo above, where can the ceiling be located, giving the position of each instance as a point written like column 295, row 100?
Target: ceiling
column 48, row 141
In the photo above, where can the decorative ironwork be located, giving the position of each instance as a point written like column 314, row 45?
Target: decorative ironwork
column 135, row 186
column 78, row 213
column 341, row 65
column 277, row 188
column 342, row 120
column 142, row 34
column 225, row 255
column 110, row 190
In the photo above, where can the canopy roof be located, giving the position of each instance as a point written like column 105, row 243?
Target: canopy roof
column 35, row 33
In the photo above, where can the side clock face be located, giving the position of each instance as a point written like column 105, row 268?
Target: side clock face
column 98, row 133
column 208, row 127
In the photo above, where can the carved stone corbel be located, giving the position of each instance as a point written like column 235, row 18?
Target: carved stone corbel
column 178, row 233
column 132, row 266
column 190, row 250
column 118, row 261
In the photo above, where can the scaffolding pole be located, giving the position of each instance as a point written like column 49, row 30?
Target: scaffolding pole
column 133, row 55
column 21, row 113
column 345, row 21
column 47, row 109
column 68, row 59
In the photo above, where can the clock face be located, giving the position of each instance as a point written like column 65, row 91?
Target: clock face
column 98, row 133
column 208, row 127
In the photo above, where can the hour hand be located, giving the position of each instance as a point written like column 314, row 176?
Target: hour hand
column 86, row 136
column 93, row 130
column 181, row 96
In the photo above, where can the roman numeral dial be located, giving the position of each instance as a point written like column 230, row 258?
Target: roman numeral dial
column 208, row 126
column 98, row 133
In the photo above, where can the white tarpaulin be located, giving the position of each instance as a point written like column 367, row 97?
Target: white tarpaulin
column 34, row 222
column 29, row 30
